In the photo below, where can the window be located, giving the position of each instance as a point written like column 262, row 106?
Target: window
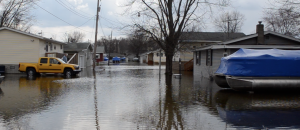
column 53, row 61
column 157, row 54
column 46, row 48
column 209, row 57
column 97, row 56
column 50, row 45
column 199, row 55
column 54, row 47
column 61, row 46
column 44, row 60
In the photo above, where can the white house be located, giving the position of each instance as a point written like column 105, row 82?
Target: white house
column 18, row 46
column 152, row 57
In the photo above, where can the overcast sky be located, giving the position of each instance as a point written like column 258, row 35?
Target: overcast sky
column 56, row 17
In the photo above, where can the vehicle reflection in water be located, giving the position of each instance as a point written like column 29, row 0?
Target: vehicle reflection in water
column 259, row 110
column 29, row 95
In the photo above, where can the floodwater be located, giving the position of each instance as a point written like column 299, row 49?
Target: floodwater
column 132, row 96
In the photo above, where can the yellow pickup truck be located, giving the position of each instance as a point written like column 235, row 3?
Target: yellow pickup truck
column 49, row 65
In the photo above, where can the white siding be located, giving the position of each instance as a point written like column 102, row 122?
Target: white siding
column 15, row 48
column 42, row 48
column 156, row 58
column 206, row 71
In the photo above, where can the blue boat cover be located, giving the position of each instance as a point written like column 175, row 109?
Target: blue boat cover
column 261, row 63
column 116, row 58
column 105, row 59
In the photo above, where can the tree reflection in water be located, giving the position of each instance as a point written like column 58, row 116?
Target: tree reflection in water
column 169, row 114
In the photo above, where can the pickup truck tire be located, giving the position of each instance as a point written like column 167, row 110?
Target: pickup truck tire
column 68, row 72
column 30, row 72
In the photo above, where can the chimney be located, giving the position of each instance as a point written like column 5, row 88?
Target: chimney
column 260, row 32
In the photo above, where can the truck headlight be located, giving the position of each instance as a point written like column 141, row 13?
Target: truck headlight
column 76, row 67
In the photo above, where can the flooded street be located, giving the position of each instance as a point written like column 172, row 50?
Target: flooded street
column 129, row 97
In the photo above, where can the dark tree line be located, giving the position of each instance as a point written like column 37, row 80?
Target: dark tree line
column 135, row 43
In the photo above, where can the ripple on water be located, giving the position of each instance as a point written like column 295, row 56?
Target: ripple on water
column 76, row 81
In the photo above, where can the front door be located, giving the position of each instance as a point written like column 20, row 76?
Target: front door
column 81, row 61
column 43, row 65
column 54, row 66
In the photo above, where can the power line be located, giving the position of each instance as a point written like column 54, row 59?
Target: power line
column 71, row 9
column 60, row 18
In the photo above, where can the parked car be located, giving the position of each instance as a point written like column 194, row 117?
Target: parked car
column 49, row 65
column 135, row 59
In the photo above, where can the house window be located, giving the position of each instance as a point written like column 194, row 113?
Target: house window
column 157, row 54
column 46, row 48
column 199, row 55
column 54, row 47
column 61, row 47
column 225, row 54
column 209, row 57
column 50, row 45
column 97, row 56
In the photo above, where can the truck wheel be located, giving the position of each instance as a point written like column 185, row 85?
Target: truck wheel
column 30, row 72
column 68, row 73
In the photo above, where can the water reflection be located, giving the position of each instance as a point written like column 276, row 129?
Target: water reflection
column 169, row 112
column 29, row 94
column 259, row 110
column 133, row 97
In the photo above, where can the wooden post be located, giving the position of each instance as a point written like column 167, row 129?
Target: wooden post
column 95, row 45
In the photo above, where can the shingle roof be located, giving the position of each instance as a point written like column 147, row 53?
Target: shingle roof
column 76, row 46
column 209, row 36
column 32, row 35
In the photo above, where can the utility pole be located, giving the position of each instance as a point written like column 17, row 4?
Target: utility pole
column 95, row 45
column 109, row 47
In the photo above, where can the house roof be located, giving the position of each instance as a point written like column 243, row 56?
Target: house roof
column 227, row 44
column 100, row 49
column 77, row 46
column 208, row 36
column 154, row 51
column 31, row 35
column 255, row 35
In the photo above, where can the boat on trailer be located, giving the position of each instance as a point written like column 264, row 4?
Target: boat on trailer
column 255, row 70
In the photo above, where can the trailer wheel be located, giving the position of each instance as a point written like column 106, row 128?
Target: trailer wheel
column 30, row 72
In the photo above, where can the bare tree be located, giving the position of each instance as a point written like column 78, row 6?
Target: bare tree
column 229, row 22
column 16, row 14
column 284, row 19
column 74, row 37
column 138, row 42
column 164, row 20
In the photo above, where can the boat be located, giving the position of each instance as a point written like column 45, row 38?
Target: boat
column 260, row 69
column 105, row 59
column 116, row 59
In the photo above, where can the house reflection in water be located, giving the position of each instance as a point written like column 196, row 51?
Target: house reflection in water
column 259, row 110
column 26, row 96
